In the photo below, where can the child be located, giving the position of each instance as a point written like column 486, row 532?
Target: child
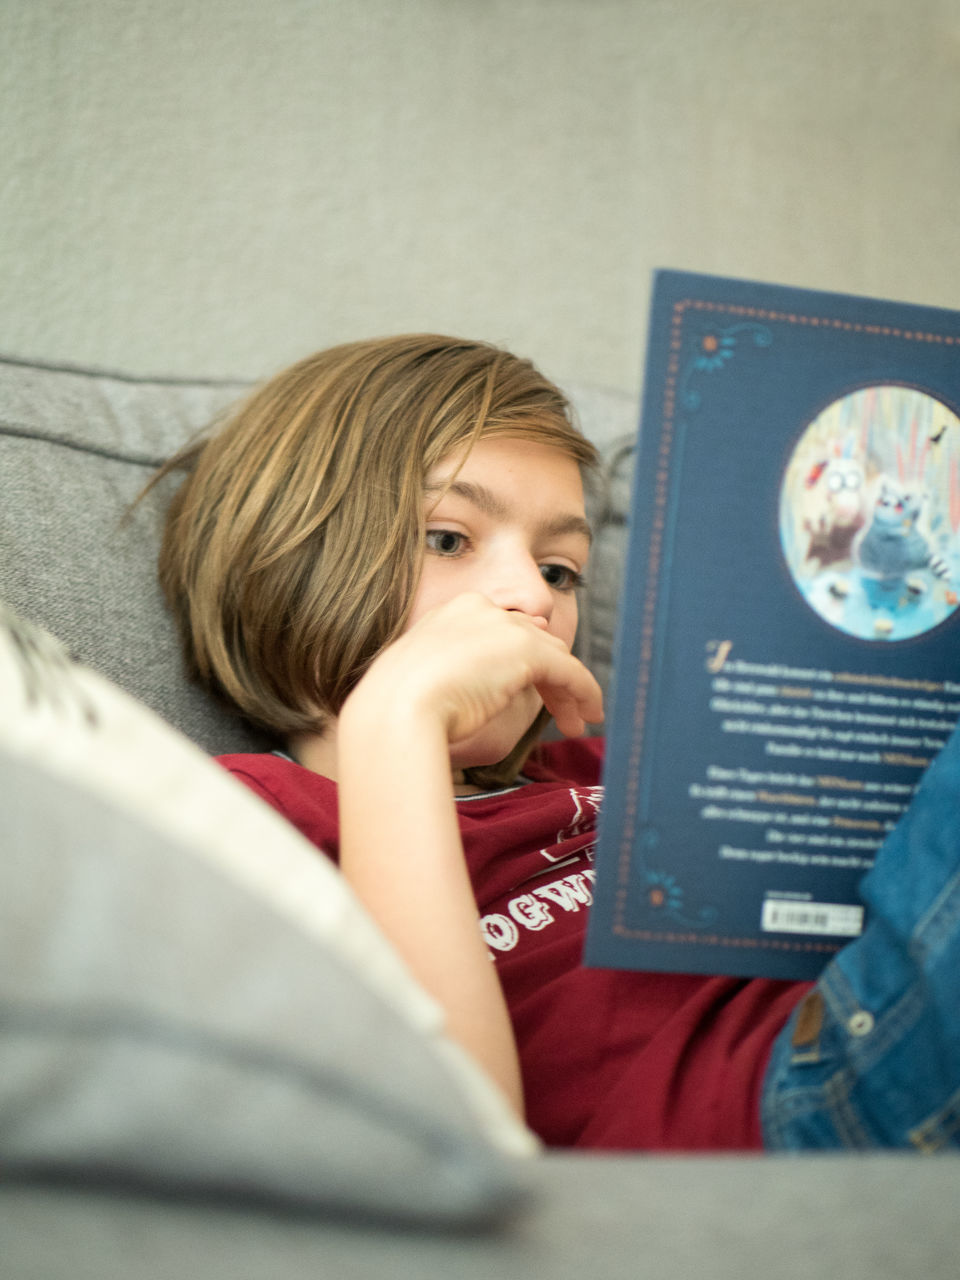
column 377, row 558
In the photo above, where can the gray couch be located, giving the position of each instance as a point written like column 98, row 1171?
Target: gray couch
column 210, row 1063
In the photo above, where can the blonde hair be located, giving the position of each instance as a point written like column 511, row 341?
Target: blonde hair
column 292, row 551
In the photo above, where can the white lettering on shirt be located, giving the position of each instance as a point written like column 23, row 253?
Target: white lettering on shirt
column 499, row 932
column 570, row 893
column 586, row 808
column 530, row 910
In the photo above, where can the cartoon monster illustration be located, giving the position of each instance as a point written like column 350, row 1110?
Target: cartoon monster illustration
column 835, row 509
column 893, row 545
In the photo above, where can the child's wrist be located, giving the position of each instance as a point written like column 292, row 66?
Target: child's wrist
column 371, row 722
column 391, row 691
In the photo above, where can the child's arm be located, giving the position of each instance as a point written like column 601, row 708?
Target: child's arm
column 400, row 842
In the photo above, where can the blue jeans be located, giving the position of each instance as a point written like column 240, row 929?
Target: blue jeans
column 871, row 1056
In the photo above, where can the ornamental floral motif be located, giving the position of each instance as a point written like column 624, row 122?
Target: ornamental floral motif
column 663, row 892
column 662, row 895
column 713, row 349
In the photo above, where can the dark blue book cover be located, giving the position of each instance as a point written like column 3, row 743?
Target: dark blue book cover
column 788, row 653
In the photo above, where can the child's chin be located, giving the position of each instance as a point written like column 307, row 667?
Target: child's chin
column 495, row 742
column 484, row 753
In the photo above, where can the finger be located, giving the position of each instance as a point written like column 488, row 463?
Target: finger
column 570, row 717
column 573, row 702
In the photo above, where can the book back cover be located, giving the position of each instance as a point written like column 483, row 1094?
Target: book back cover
column 787, row 654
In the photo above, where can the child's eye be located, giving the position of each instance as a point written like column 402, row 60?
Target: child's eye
column 445, row 542
column 561, row 577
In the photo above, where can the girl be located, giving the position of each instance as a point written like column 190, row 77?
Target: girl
column 377, row 558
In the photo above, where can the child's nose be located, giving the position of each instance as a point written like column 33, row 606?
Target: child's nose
column 521, row 586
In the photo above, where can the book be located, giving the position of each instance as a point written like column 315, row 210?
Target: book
column 788, row 656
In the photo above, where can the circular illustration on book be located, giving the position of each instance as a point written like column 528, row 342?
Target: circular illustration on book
column 870, row 513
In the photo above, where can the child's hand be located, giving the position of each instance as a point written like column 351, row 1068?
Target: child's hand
column 467, row 660
column 425, row 704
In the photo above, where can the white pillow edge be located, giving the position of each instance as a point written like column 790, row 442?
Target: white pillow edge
column 86, row 730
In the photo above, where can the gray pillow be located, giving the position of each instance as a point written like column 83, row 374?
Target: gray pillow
column 191, row 999
column 76, row 447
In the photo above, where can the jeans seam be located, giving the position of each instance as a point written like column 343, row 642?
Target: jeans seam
column 844, row 1116
column 932, row 1134
column 940, row 920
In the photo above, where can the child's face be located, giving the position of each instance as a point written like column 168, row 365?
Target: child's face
column 511, row 526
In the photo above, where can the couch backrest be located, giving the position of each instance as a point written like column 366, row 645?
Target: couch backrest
column 76, row 447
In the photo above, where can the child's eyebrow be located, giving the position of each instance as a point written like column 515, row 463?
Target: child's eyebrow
column 486, row 500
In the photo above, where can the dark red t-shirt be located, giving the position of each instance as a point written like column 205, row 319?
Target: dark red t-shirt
column 610, row 1059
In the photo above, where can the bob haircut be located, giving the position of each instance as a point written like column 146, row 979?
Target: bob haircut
column 292, row 551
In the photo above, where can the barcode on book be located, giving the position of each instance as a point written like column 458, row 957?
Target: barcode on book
column 839, row 918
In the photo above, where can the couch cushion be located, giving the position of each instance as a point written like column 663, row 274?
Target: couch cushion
column 190, row 997
column 76, row 447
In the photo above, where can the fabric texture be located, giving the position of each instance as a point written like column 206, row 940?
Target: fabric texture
column 76, row 448
column 191, row 999
column 611, row 1060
